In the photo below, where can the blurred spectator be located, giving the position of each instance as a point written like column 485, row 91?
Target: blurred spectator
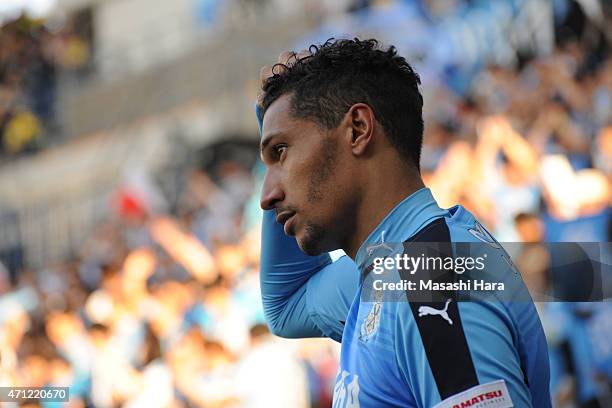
column 30, row 58
column 269, row 375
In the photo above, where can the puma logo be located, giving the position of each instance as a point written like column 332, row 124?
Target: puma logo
column 428, row 310
column 371, row 248
column 482, row 234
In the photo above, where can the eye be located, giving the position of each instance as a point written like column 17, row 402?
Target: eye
column 278, row 150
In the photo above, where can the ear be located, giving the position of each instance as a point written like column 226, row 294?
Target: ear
column 361, row 122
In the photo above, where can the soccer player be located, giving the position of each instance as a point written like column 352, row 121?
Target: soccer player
column 341, row 138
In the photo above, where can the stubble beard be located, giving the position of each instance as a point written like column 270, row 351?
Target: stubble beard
column 310, row 244
column 315, row 234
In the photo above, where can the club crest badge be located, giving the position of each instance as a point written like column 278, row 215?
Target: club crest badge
column 371, row 322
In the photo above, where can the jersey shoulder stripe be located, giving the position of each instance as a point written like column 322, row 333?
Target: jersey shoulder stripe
column 444, row 340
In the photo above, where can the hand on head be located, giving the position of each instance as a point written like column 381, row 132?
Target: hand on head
column 285, row 59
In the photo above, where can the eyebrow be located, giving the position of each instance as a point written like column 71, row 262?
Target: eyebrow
column 267, row 139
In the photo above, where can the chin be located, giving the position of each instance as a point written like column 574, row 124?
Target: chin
column 309, row 247
column 312, row 240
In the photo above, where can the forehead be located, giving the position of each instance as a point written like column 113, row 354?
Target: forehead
column 279, row 121
column 278, row 117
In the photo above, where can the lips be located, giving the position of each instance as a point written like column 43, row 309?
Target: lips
column 284, row 219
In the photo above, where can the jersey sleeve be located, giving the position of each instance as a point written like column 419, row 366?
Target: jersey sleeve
column 303, row 296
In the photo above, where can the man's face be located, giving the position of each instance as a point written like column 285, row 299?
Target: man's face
column 304, row 178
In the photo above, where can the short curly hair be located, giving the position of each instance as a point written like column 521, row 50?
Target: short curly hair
column 340, row 73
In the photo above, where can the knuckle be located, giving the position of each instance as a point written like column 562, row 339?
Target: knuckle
column 265, row 72
column 303, row 54
column 285, row 56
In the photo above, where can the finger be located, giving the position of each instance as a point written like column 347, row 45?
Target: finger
column 265, row 73
column 303, row 54
column 260, row 98
column 285, row 57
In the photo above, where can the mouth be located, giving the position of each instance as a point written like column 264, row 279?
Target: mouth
column 285, row 218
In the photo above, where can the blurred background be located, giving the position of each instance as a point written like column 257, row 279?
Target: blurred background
column 129, row 182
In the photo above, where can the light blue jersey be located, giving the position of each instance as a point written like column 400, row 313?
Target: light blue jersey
column 405, row 353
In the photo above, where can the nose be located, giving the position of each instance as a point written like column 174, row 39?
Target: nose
column 271, row 193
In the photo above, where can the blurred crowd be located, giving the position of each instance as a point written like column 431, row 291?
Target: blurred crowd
column 162, row 308
column 530, row 141
column 161, row 311
column 31, row 56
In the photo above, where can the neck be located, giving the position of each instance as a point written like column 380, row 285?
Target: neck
column 382, row 192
